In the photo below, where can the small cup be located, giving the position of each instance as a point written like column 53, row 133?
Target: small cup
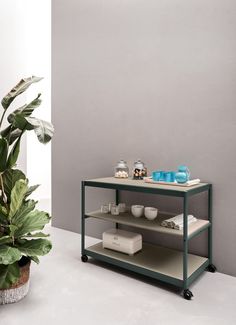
column 110, row 205
column 150, row 213
column 128, row 209
column 105, row 208
column 115, row 210
column 122, row 207
column 137, row 210
column 158, row 175
column 170, row 176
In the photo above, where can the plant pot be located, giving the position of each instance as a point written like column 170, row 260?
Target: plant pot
column 20, row 289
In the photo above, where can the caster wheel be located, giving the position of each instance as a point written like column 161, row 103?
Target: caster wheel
column 84, row 258
column 211, row 268
column 188, row 294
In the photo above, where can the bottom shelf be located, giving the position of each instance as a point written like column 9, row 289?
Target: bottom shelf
column 158, row 262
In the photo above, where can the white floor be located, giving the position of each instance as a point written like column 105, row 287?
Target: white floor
column 66, row 291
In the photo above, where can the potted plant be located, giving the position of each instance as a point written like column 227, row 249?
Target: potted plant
column 21, row 239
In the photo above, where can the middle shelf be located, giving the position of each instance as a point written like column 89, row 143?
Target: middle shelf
column 129, row 220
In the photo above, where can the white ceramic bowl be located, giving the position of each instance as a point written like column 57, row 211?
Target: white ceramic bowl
column 137, row 210
column 150, row 213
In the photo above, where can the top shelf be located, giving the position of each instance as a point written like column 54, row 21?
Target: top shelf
column 130, row 184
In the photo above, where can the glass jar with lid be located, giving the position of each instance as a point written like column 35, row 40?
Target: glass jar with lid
column 122, row 169
column 139, row 170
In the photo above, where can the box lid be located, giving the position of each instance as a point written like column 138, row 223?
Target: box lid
column 123, row 234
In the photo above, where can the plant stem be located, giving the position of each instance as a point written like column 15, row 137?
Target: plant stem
column 4, row 197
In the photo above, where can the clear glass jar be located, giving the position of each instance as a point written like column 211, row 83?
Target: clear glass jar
column 139, row 170
column 122, row 169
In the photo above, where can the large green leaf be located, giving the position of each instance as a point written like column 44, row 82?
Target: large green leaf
column 13, row 156
column 31, row 190
column 25, row 110
column 33, row 221
column 5, row 133
column 44, row 130
column 3, row 220
column 12, row 229
column 10, row 177
column 11, row 133
column 9, row 274
column 36, row 235
column 22, row 86
column 5, row 240
column 25, row 209
column 15, row 134
column 17, row 196
column 3, row 154
column 34, row 259
column 35, row 247
column 3, row 215
column 9, row 255
column 21, row 123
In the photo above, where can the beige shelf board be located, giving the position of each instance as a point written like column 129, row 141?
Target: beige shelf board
column 155, row 258
column 155, row 225
column 141, row 183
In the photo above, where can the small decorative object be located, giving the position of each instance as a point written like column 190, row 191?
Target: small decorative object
column 170, row 177
column 105, row 208
column 183, row 174
column 139, row 170
column 128, row 209
column 115, row 210
column 110, row 206
column 163, row 176
column 122, row 169
column 21, row 225
column 158, row 175
column 150, row 213
column 137, row 210
column 122, row 207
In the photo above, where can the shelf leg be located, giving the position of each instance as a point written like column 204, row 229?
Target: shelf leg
column 210, row 228
column 185, row 243
column 117, row 202
column 82, row 218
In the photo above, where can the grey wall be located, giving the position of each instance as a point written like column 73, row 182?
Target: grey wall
column 146, row 79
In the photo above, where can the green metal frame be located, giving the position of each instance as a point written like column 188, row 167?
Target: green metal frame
column 187, row 280
column 117, row 202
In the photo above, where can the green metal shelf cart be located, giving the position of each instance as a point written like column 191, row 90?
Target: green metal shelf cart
column 178, row 268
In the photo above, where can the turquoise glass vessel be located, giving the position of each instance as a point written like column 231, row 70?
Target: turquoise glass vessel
column 170, row 177
column 158, row 175
column 161, row 175
column 183, row 174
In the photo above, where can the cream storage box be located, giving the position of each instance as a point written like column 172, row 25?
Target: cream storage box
column 122, row 241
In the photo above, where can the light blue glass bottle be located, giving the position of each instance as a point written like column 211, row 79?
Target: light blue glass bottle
column 183, row 174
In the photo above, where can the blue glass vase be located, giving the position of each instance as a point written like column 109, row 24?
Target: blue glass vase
column 183, row 174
